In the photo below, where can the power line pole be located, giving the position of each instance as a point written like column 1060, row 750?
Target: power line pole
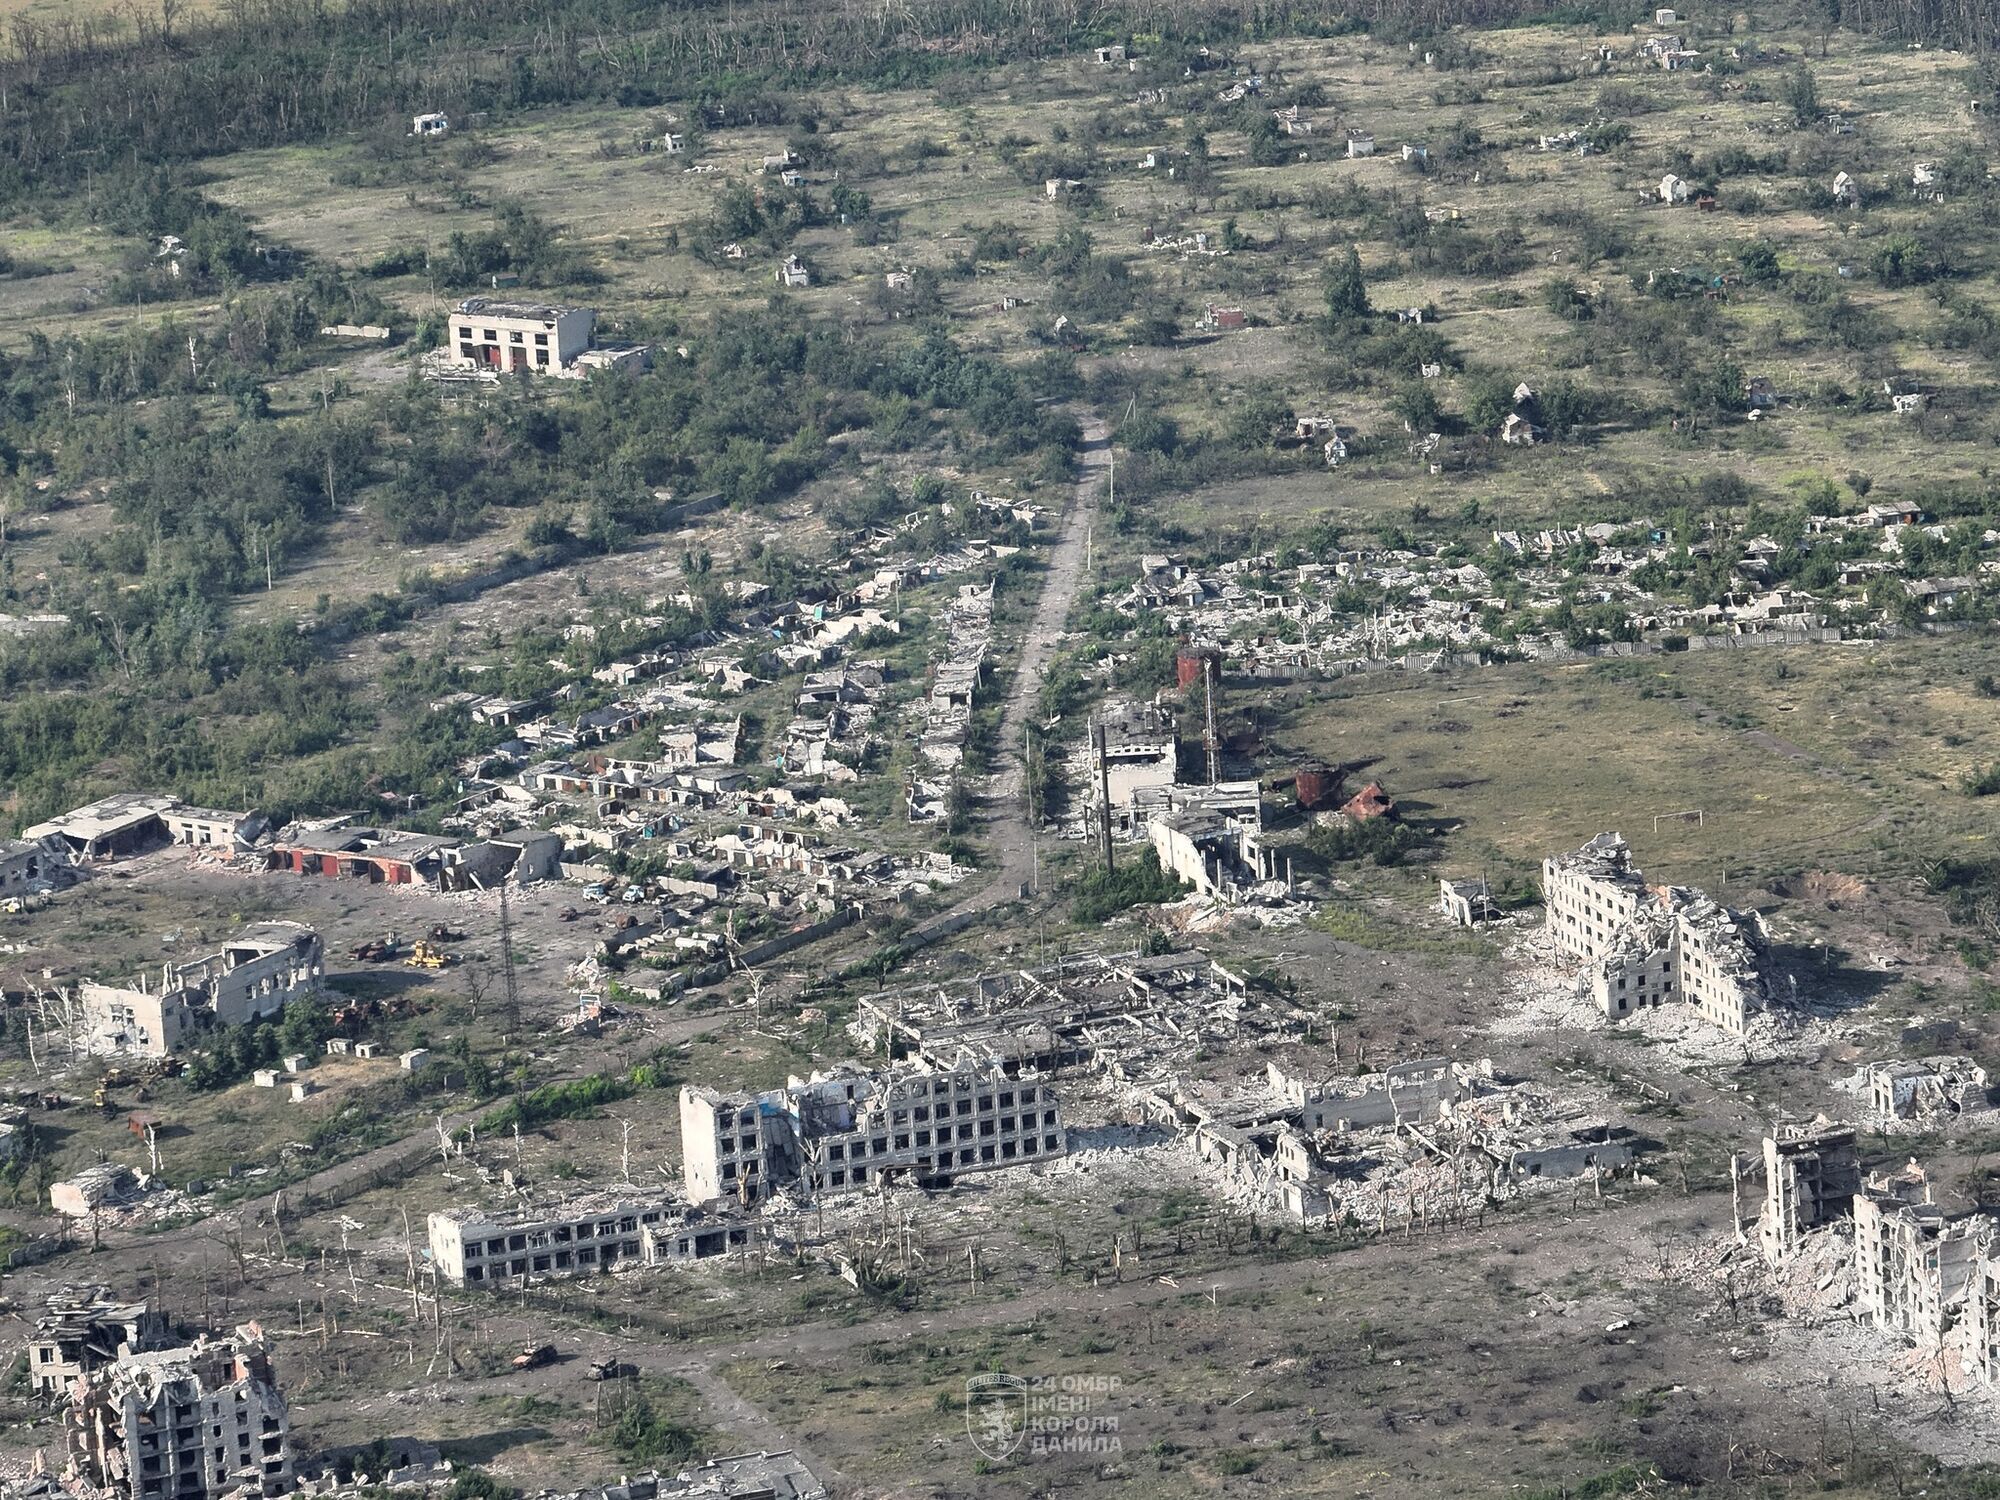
column 1103, row 793
column 507, row 966
column 1214, row 750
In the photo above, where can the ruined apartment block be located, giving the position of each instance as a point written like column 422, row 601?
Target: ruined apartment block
column 201, row 1421
column 1915, row 1266
column 849, row 1128
column 1920, row 1272
column 470, row 1247
column 1811, row 1177
column 1643, row 946
column 256, row 975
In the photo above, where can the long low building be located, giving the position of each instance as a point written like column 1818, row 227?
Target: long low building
column 577, row 1237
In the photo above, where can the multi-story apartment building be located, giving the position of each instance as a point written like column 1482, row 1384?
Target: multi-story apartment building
column 193, row 1423
column 850, row 1128
column 492, row 334
column 1643, row 946
column 471, row 1247
column 257, row 974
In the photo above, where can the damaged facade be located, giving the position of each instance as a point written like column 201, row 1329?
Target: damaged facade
column 579, row 1236
column 1915, row 1270
column 204, row 1420
column 849, row 1128
column 85, row 1329
column 255, row 975
column 1645, row 946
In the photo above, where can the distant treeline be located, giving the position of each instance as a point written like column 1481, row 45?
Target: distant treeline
column 82, row 92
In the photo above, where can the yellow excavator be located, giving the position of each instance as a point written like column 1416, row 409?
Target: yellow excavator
column 427, row 955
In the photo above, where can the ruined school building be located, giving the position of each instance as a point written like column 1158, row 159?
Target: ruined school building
column 1643, row 946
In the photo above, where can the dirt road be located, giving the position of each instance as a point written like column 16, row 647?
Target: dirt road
column 1005, row 805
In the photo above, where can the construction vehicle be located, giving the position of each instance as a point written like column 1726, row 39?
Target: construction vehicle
column 609, row 1369
column 426, row 955
column 444, row 934
column 102, row 1099
column 375, row 951
column 535, row 1356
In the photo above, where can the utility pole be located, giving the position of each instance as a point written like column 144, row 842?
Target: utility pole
column 1103, row 793
column 1214, row 751
column 507, row 965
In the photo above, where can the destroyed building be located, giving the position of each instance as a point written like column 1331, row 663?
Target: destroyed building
column 850, row 1128
column 1426, row 1138
column 1644, row 946
column 130, row 822
column 1916, row 1268
column 191, row 1423
column 85, row 1329
column 1126, row 1016
column 763, row 1475
column 474, row 1247
column 1135, row 752
column 1927, row 1089
column 255, row 975
column 1811, row 1176
column 1918, row 1271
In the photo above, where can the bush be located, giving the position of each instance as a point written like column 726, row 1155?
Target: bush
column 1101, row 895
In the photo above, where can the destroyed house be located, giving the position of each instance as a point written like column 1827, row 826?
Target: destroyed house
column 256, row 975
column 487, row 333
column 193, row 1423
column 85, row 1329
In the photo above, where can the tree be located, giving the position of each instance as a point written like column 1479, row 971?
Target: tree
column 1565, row 408
column 1346, row 289
column 1714, row 386
column 1800, row 95
column 1417, row 405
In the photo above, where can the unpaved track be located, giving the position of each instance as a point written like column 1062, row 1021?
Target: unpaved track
column 1005, row 801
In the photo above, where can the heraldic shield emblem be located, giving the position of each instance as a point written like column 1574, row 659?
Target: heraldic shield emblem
column 996, row 1413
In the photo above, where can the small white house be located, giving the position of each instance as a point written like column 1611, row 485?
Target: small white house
column 1845, row 189
column 423, row 127
column 1360, row 144
column 794, row 273
column 1672, row 189
column 415, row 1060
column 673, row 144
column 1665, row 17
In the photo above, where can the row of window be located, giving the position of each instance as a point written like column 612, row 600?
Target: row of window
column 591, row 1256
column 1006, row 1125
column 856, row 1175
column 562, row 1234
